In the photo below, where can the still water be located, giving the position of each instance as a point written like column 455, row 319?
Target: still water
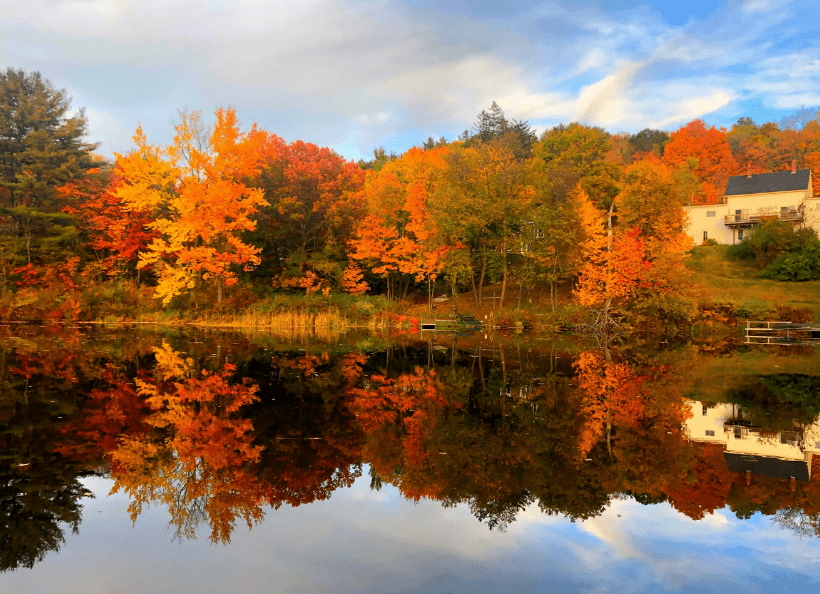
column 148, row 461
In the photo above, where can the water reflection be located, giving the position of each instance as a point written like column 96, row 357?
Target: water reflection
column 217, row 429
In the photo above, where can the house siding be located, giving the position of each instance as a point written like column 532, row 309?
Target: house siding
column 753, row 204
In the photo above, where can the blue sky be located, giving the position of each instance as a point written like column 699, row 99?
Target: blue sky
column 353, row 75
column 367, row 541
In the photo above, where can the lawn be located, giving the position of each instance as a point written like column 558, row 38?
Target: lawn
column 723, row 279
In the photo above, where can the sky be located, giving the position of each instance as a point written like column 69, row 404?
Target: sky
column 360, row 540
column 354, row 75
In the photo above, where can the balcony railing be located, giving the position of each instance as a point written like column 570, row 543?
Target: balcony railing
column 792, row 216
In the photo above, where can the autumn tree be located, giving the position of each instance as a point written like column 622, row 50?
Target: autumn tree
column 651, row 201
column 553, row 239
column 113, row 235
column 399, row 238
column 196, row 192
column 483, row 204
column 706, row 152
column 312, row 205
column 614, row 263
column 568, row 155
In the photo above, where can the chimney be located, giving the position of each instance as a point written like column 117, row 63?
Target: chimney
column 749, row 169
column 794, row 165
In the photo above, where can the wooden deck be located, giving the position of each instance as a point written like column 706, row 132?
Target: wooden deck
column 749, row 219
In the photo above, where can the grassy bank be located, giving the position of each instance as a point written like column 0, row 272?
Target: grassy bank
column 738, row 285
column 727, row 290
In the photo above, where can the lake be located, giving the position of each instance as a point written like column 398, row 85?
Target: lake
column 154, row 460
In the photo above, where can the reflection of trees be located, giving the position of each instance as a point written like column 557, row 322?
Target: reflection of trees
column 311, row 442
column 35, row 504
column 779, row 401
column 497, row 442
column 494, row 429
column 798, row 521
column 40, row 492
column 194, row 456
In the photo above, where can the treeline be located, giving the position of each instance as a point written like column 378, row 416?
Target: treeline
column 220, row 207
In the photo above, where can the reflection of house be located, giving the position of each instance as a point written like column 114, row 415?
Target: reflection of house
column 747, row 447
column 751, row 198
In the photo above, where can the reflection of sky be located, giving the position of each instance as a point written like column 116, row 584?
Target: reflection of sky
column 365, row 541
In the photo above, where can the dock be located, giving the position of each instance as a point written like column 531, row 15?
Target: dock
column 782, row 333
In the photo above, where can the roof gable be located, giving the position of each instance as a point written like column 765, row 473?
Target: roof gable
column 764, row 183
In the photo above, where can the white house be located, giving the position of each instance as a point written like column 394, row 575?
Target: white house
column 751, row 198
column 746, row 447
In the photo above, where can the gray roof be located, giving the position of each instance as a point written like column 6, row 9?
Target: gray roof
column 775, row 467
column 763, row 183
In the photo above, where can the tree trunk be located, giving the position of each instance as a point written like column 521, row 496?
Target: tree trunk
column 504, row 275
column 219, row 290
column 472, row 278
column 481, row 373
column 608, row 301
column 481, row 277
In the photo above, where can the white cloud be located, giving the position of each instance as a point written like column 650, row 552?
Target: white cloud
column 370, row 120
column 355, row 74
column 757, row 6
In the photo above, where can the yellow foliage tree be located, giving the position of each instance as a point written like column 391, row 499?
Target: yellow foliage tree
column 195, row 189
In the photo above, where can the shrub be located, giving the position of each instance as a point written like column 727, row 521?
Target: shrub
column 797, row 266
column 773, row 239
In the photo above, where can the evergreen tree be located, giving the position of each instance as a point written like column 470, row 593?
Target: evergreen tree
column 493, row 124
column 41, row 148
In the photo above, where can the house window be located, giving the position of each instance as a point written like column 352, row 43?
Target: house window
column 705, row 235
column 704, row 411
column 738, row 433
column 710, row 213
column 710, row 433
column 740, row 234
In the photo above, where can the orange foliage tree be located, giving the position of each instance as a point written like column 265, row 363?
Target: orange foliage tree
column 115, row 235
column 615, row 265
column 398, row 235
column 707, row 153
column 195, row 190
column 650, row 201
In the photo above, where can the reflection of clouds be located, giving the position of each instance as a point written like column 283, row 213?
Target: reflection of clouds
column 367, row 541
